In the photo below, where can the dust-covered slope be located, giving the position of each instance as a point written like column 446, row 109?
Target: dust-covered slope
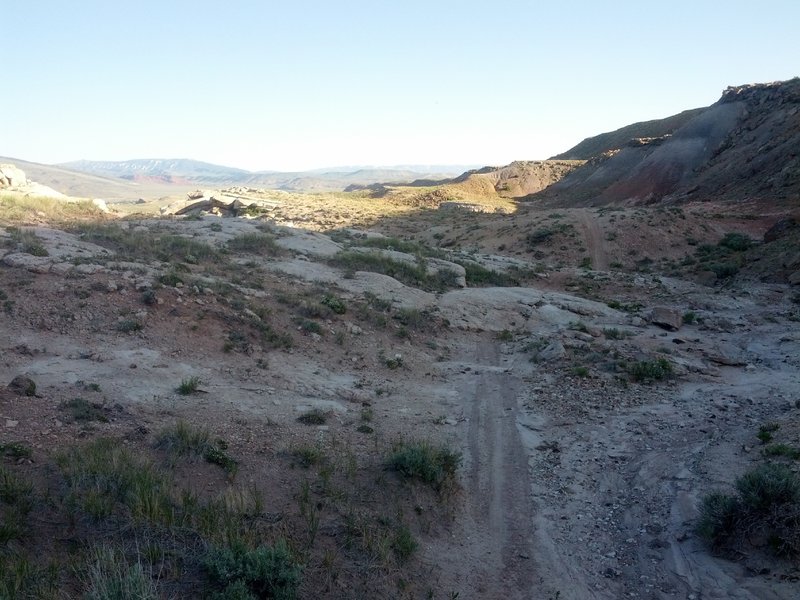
column 744, row 147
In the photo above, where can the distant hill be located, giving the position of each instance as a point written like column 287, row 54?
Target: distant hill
column 202, row 174
column 746, row 146
column 183, row 171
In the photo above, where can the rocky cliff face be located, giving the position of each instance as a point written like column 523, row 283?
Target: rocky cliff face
column 744, row 147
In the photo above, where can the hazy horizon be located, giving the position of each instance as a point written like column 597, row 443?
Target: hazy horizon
column 303, row 86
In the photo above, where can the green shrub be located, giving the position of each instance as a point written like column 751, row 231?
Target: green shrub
column 765, row 432
column 736, row 241
column 82, row 411
column 479, row 275
column 255, row 243
column 724, row 270
column 129, row 326
column 767, row 485
column 719, row 518
column 767, row 503
column 336, row 304
column 314, row 416
column 421, row 460
column 505, row 336
column 650, row 370
column 265, row 572
column 580, row 371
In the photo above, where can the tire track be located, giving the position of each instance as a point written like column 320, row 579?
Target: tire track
column 498, row 501
column 594, row 241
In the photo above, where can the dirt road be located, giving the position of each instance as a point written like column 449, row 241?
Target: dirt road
column 594, row 240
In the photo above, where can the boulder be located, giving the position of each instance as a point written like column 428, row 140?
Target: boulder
column 22, row 386
column 666, row 318
column 553, row 351
column 12, row 176
column 780, row 229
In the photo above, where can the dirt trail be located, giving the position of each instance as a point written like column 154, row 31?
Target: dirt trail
column 594, row 240
column 496, row 557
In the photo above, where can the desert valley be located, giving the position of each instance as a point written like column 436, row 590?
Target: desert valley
column 575, row 378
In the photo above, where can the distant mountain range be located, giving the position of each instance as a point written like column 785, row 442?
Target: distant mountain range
column 194, row 172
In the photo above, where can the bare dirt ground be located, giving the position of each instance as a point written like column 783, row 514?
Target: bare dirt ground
column 576, row 482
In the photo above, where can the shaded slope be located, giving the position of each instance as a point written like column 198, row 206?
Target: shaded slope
column 744, row 147
column 613, row 140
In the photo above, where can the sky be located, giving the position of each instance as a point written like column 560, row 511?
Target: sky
column 265, row 85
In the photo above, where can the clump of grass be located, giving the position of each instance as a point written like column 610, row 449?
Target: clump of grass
column 111, row 577
column 413, row 318
column 103, row 475
column 263, row 572
column 766, row 431
column 315, row 416
column 476, row 274
column 403, row 543
column 784, row 450
column 308, row 455
column 84, row 411
column 689, row 318
column 613, row 333
column 188, row 386
column 543, row 234
column 28, row 242
column 15, row 450
column 255, row 243
column 20, row 210
column 650, row 370
column 421, row 460
column 766, row 502
column 411, row 273
column 309, row 326
column 505, row 336
column 137, row 243
column 182, row 439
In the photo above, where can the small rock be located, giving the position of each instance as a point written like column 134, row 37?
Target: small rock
column 11, row 423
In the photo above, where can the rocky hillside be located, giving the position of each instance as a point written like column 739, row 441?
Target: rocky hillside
column 744, row 147
column 517, row 179
column 614, row 140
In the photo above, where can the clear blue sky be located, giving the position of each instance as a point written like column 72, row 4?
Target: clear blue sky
column 301, row 84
